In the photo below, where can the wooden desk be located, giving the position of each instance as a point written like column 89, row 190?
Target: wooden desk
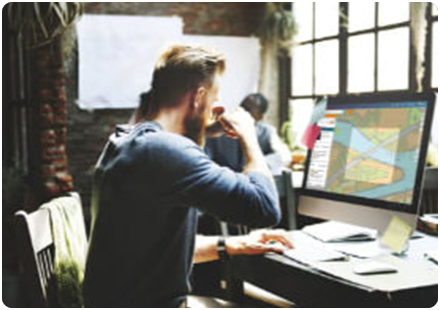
column 308, row 287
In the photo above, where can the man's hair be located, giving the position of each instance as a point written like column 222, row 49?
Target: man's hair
column 256, row 100
column 182, row 68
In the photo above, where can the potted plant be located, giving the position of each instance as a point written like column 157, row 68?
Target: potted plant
column 38, row 23
column 279, row 27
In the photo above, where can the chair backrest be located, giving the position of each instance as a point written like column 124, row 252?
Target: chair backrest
column 430, row 192
column 291, row 205
column 37, row 254
column 286, row 192
column 287, row 196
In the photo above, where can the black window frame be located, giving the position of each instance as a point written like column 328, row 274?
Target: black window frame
column 431, row 19
column 343, row 37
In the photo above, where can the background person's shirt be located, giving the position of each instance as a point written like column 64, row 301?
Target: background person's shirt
column 143, row 222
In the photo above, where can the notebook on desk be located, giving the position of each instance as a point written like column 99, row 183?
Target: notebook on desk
column 332, row 231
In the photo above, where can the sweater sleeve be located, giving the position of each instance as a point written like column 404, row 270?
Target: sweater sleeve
column 193, row 179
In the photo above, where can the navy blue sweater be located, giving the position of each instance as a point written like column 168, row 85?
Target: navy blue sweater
column 147, row 183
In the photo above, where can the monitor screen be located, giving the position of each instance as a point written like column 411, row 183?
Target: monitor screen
column 371, row 150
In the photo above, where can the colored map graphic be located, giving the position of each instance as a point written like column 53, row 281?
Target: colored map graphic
column 375, row 152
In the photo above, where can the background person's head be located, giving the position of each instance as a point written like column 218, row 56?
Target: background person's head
column 144, row 104
column 186, row 76
column 256, row 105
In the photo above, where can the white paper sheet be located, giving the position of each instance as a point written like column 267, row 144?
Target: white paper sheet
column 117, row 55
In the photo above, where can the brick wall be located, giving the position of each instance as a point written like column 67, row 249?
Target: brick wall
column 88, row 130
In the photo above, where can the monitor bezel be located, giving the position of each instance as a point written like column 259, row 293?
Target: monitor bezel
column 412, row 208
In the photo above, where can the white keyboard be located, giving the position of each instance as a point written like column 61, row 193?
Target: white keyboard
column 309, row 250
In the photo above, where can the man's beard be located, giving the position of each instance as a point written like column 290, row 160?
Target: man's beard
column 195, row 127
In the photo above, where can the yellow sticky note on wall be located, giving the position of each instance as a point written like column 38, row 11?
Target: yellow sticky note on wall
column 396, row 235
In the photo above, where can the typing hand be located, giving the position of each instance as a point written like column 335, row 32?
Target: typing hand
column 259, row 242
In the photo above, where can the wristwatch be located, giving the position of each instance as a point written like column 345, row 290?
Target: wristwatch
column 221, row 249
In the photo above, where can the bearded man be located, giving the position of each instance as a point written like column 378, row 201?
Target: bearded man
column 152, row 177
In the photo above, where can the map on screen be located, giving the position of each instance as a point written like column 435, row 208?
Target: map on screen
column 369, row 150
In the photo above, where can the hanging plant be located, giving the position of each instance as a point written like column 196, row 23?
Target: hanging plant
column 279, row 27
column 38, row 23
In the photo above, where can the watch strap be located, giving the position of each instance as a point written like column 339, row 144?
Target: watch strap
column 221, row 249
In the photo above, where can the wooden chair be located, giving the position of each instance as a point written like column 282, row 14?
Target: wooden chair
column 37, row 253
column 287, row 195
column 286, row 192
column 430, row 192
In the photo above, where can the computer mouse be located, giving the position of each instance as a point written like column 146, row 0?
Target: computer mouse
column 371, row 268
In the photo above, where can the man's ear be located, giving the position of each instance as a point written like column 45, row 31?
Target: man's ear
column 199, row 96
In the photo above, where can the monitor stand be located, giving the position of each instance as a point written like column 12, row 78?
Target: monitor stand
column 354, row 214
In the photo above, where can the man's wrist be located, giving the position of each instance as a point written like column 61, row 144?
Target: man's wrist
column 235, row 245
column 249, row 140
column 251, row 148
column 222, row 249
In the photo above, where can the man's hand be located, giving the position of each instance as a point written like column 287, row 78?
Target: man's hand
column 238, row 124
column 259, row 242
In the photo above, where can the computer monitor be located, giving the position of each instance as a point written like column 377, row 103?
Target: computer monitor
column 368, row 162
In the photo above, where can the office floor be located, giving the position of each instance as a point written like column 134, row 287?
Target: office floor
column 12, row 297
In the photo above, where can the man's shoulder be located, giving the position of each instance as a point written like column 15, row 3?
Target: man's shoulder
column 165, row 146
column 167, row 139
column 150, row 134
column 162, row 146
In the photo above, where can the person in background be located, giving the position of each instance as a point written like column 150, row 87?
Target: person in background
column 142, row 109
column 151, row 179
column 228, row 152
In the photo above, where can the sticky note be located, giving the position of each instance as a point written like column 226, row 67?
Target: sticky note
column 310, row 135
column 396, row 235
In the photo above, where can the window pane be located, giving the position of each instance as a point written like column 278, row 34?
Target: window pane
column 326, row 19
column 393, row 62
column 361, row 63
column 393, row 12
column 303, row 13
column 434, row 66
column 300, row 114
column 327, row 66
column 361, row 15
column 302, row 70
